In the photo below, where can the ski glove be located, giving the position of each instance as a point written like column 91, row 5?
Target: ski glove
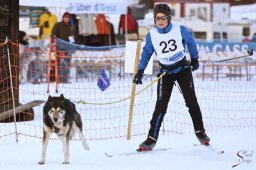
column 194, row 64
column 138, row 76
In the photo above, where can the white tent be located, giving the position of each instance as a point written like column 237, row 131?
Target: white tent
column 44, row 3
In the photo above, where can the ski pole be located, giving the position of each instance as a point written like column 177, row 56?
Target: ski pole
column 249, row 53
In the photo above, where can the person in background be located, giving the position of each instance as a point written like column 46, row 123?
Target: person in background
column 46, row 22
column 254, row 37
column 35, row 67
column 23, row 38
column 64, row 31
column 132, row 25
column 246, row 39
column 169, row 41
column 24, row 57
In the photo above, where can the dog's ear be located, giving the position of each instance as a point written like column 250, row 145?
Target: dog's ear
column 62, row 97
column 49, row 97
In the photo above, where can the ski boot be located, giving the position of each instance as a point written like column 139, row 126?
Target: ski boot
column 147, row 145
column 202, row 137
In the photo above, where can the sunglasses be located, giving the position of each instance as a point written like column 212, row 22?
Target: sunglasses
column 163, row 18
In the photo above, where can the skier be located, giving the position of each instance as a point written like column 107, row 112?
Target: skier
column 169, row 41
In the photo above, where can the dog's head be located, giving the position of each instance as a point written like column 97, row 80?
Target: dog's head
column 55, row 108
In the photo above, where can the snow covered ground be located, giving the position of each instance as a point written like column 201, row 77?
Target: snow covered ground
column 239, row 147
column 238, row 143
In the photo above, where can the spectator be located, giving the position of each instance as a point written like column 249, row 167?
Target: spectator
column 65, row 31
column 23, row 38
column 246, row 39
column 24, row 58
column 132, row 25
column 35, row 67
column 46, row 23
column 254, row 37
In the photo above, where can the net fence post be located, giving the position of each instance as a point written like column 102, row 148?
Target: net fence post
column 49, row 65
column 133, row 90
column 11, row 83
column 56, row 64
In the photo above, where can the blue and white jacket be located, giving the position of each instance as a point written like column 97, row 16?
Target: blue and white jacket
column 187, row 40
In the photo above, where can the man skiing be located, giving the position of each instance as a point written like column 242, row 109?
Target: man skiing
column 168, row 41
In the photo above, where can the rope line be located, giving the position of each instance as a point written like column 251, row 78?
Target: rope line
column 118, row 101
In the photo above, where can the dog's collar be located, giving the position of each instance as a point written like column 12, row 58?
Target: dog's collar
column 56, row 130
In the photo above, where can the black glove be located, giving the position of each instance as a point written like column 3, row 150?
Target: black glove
column 194, row 64
column 138, row 76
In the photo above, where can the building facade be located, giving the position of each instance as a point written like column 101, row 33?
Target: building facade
column 206, row 10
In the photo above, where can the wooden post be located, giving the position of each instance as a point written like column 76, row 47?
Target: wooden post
column 9, row 27
column 133, row 90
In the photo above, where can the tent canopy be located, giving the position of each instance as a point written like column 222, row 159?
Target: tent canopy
column 44, row 3
column 82, row 6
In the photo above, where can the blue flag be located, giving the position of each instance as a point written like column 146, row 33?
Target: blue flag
column 103, row 81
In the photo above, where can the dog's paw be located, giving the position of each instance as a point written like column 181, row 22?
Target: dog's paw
column 41, row 162
column 65, row 162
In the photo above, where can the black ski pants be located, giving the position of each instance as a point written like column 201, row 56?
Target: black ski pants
column 164, row 90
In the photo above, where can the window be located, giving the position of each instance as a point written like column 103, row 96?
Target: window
column 200, row 35
column 225, row 36
column 192, row 12
column 216, row 35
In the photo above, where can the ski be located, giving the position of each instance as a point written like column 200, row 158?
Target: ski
column 136, row 152
column 211, row 148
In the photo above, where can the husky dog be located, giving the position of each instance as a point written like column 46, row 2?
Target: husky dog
column 60, row 116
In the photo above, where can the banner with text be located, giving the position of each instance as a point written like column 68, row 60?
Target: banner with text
column 210, row 51
column 225, row 46
column 97, row 7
